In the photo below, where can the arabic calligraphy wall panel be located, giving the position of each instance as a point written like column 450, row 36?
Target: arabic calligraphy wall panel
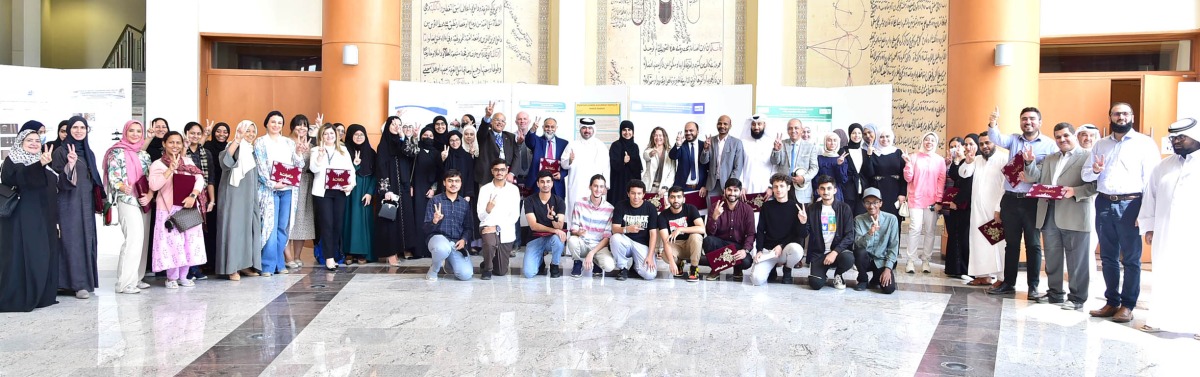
column 665, row 42
column 866, row 42
column 476, row 41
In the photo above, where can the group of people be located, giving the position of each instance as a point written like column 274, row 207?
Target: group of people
column 451, row 189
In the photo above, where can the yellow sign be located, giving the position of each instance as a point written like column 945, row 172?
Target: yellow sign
column 613, row 108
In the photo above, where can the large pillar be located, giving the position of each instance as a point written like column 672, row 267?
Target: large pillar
column 359, row 93
column 975, row 85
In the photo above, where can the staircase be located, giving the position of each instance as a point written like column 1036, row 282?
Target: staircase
column 130, row 52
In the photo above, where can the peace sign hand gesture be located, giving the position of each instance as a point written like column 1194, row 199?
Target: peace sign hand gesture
column 71, row 156
column 208, row 127
column 1028, row 154
column 320, row 119
column 842, row 159
column 708, row 141
column 445, row 152
column 801, row 214
column 778, row 141
column 437, row 213
column 874, row 226
column 491, row 107
column 47, row 156
column 357, row 158
column 1098, row 164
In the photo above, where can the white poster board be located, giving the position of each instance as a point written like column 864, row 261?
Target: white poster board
column 826, row 109
column 102, row 96
column 672, row 107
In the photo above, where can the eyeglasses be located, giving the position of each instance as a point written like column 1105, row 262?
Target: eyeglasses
column 1175, row 137
column 872, row 204
column 497, row 170
column 1122, row 114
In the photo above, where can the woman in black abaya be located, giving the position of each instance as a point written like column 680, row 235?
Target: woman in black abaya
column 29, row 244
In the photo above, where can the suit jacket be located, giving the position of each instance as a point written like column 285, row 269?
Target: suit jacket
column 538, row 145
column 733, row 161
column 1069, row 213
column 682, row 162
column 806, row 157
column 488, row 151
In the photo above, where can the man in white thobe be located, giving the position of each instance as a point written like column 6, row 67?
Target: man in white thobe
column 592, row 157
column 1166, row 218
column 987, row 188
column 758, row 150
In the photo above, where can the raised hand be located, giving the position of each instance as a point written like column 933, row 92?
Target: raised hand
column 718, row 211
column 708, row 142
column 71, row 156
column 1098, row 164
column 679, row 139
column 874, row 226
column 357, row 158
column 321, row 118
column 537, row 121
column 208, row 127
column 1028, row 154
column 779, row 142
column 626, row 157
column 47, row 156
column 801, row 214
column 907, row 160
column 842, row 158
column 445, row 152
column 995, row 115
column 437, row 213
column 491, row 107
column 399, row 113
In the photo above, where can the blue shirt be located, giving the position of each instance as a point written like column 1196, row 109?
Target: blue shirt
column 456, row 220
column 1015, row 144
column 1127, row 163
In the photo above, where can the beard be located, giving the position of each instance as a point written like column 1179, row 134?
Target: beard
column 549, row 135
column 987, row 153
column 1116, row 128
column 758, row 134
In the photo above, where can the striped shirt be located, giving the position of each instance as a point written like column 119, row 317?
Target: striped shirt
column 595, row 220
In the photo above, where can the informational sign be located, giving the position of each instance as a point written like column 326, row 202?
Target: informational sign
column 607, row 116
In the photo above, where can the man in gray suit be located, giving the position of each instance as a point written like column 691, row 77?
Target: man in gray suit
column 1064, row 223
column 727, row 162
column 797, row 158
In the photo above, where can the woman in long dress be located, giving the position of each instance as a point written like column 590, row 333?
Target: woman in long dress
column 239, row 230
column 830, row 163
column 218, row 137
column 393, row 170
column 958, row 216
column 176, row 250
column 76, row 165
column 193, row 149
column 304, row 226
column 456, row 157
column 885, row 164
column 624, row 162
column 424, row 180
column 278, row 199
column 659, row 174
column 127, row 166
column 29, row 244
column 360, row 213
column 856, row 155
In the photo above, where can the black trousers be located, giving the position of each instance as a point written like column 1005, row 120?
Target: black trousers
column 331, row 213
column 1020, row 221
column 958, row 249
column 711, row 243
column 820, row 271
column 867, row 264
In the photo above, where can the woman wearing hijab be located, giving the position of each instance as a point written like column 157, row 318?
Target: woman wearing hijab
column 830, row 163
column 425, row 176
column 626, row 166
column 176, row 250
column 856, row 155
column 76, row 165
column 37, row 128
column 660, row 172
column 470, row 143
column 277, row 199
column 456, row 157
column 885, row 169
column 239, row 228
column 29, row 243
column 126, row 166
column 958, row 215
column 218, row 137
column 61, row 136
column 330, row 204
column 359, row 225
column 193, row 149
column 441, row 136
column 925, row 172
column 303, row 228
column 158, row 128
column 393, row 173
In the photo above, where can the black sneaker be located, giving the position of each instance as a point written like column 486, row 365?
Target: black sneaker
column 624, row 274
column 861, row 286
column 200, row 276
column 693, row 274
column 787, row 276
column 555, row 271
column 542, row 269
column 577, row 269
column 596, row 271
column 486, row 275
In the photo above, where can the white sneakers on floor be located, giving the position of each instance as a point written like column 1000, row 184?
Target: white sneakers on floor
column 925, row 267
column 839, row 282
column 187, row 283
column 910, row 268
column 171, row 284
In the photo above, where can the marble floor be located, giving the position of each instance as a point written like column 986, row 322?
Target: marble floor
column 387, row 321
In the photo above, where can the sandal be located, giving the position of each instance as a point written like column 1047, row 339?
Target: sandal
column 980, row 282
column 235, row 277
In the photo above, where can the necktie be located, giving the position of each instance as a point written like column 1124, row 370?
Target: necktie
column 550, row 148
column 500, row 144
column 688, row 159
column 793, row 160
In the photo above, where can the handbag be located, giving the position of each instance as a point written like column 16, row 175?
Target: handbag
column 902, row 208
column 387, row 209
column 9, row 196
column 185, row 219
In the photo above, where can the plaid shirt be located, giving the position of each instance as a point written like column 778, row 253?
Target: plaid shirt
column 456, row 224
column 200, row 158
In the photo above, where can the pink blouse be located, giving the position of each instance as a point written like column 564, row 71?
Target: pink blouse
column 163, row 185
column 926, row 175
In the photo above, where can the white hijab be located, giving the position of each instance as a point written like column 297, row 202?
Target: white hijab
column 245, row 154
column 891, row 147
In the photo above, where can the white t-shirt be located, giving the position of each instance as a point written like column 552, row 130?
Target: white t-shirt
column 828, row 226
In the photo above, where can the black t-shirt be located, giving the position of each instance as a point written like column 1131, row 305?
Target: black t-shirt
column 540, row 211
column 686, row 217
column 645, row 217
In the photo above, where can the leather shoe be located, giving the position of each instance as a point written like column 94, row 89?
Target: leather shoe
column 1105, row 312
column 1002, row 290
column 1123, row 315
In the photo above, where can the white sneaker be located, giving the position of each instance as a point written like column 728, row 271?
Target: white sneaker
column 285, row 271
column 839, row 282
column 925, row 267
column 143, row 285
column 171, row 284
column 431, row 277
column 130, row 290
column 909, row 268
column 187, row 283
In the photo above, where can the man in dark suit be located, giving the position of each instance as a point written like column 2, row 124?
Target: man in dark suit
column 690, row 173
column 494, row 143
column 1064, row 223
column 546, row 147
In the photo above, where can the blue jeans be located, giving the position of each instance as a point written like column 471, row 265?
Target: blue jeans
column 442, row 249
column 536, row 250
column 272, row 253
column 1121, row 241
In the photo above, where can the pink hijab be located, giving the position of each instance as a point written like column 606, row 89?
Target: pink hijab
column 131, row 150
